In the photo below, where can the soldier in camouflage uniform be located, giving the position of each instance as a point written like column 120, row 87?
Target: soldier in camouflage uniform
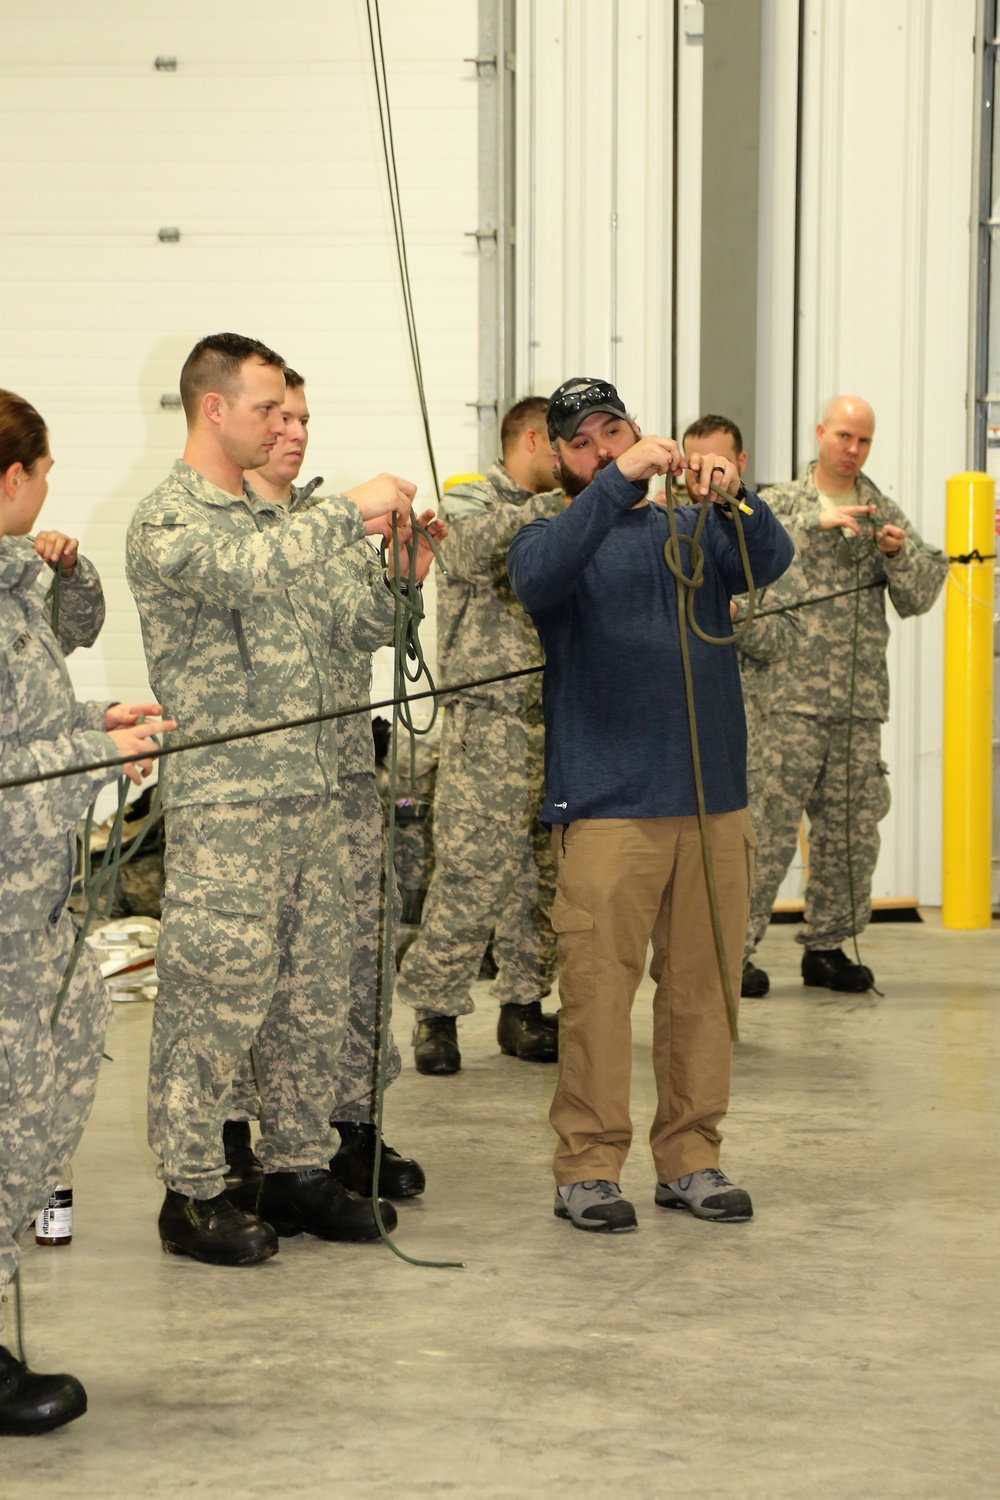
column 772, row 637
column 238, row 618
column 492, row 863
column 358, row 571
column 48, row 1072
column 830, row 698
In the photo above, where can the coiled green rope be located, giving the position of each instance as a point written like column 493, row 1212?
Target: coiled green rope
column 687, row 587
column 407, row 649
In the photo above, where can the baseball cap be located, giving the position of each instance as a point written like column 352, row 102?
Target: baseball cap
column 577, row 399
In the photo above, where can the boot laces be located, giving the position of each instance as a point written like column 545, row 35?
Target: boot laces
column 602, row 1187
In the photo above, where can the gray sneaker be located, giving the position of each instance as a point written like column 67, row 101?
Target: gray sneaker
column 595, row 1205
column 708, row 1195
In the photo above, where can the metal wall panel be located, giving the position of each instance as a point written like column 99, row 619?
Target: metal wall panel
column 594, row 195
column 884, row 313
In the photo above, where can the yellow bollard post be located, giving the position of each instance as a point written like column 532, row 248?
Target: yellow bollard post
column 968, row 703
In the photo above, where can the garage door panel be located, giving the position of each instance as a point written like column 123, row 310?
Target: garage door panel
column 272, row 171
column 124, row 34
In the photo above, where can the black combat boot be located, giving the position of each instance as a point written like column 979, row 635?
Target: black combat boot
column 245, row 1173
column 830, row 968
column 31, row 1403
column 755, row 982
column 311, row 1201
column 212, row 1230
column 398, row 1176
column 523, row 1032
column 435, row 1045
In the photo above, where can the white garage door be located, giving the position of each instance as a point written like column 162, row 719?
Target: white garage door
column 260, row 145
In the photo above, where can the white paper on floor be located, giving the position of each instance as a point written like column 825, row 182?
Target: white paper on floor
column 126, row 952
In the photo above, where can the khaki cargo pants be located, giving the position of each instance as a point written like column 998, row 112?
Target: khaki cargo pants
column 622, row 884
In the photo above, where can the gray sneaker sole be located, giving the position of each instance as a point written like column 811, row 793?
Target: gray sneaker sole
column 740, row 1212
column 597, row 1226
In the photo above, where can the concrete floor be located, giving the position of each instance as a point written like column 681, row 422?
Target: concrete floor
column 843, row 1345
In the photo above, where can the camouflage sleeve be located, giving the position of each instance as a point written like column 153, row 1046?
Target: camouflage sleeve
column 785, row 502
column 917, row 573
column 51, row 807
column 477, row 541
column 465, row 500
column 81, row 607
column 363, row 607
column 91, row 714
column 176, row 546
column 775, row 637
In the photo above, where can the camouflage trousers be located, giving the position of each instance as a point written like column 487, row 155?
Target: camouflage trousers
column 492, row 868
column 353, row 1083
column 255, row 947
column 810, row 773
column 47, row 1078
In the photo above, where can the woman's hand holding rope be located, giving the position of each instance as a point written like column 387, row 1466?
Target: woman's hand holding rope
column 125, row 723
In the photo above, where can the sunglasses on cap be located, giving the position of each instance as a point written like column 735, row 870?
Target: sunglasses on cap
column 578, row 399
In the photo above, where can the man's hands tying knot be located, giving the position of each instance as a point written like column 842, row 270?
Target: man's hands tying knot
column 656, row 455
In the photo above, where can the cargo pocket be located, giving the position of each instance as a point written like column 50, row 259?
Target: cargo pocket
column 566, row 917
column 218, row 933
column 574, row 929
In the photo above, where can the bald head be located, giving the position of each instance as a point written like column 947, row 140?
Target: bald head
column 839, row 407
column 844, row 440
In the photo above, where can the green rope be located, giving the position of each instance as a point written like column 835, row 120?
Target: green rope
column 408, row 612
column 99, row 885
column 687, row 588
column 847, row 787
column 54, row 597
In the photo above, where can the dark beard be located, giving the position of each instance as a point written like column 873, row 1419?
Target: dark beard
column 574, row 484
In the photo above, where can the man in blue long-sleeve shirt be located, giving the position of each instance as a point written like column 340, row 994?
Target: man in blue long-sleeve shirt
column 620, row 795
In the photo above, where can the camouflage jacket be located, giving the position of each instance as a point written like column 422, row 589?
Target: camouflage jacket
column 771, row 637
column 482, row 628
column 241, row 613
column 816, row 680
column 357, row 576
column 42, row 728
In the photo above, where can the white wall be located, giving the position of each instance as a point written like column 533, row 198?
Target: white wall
column 264, row 149
column 885, row 253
